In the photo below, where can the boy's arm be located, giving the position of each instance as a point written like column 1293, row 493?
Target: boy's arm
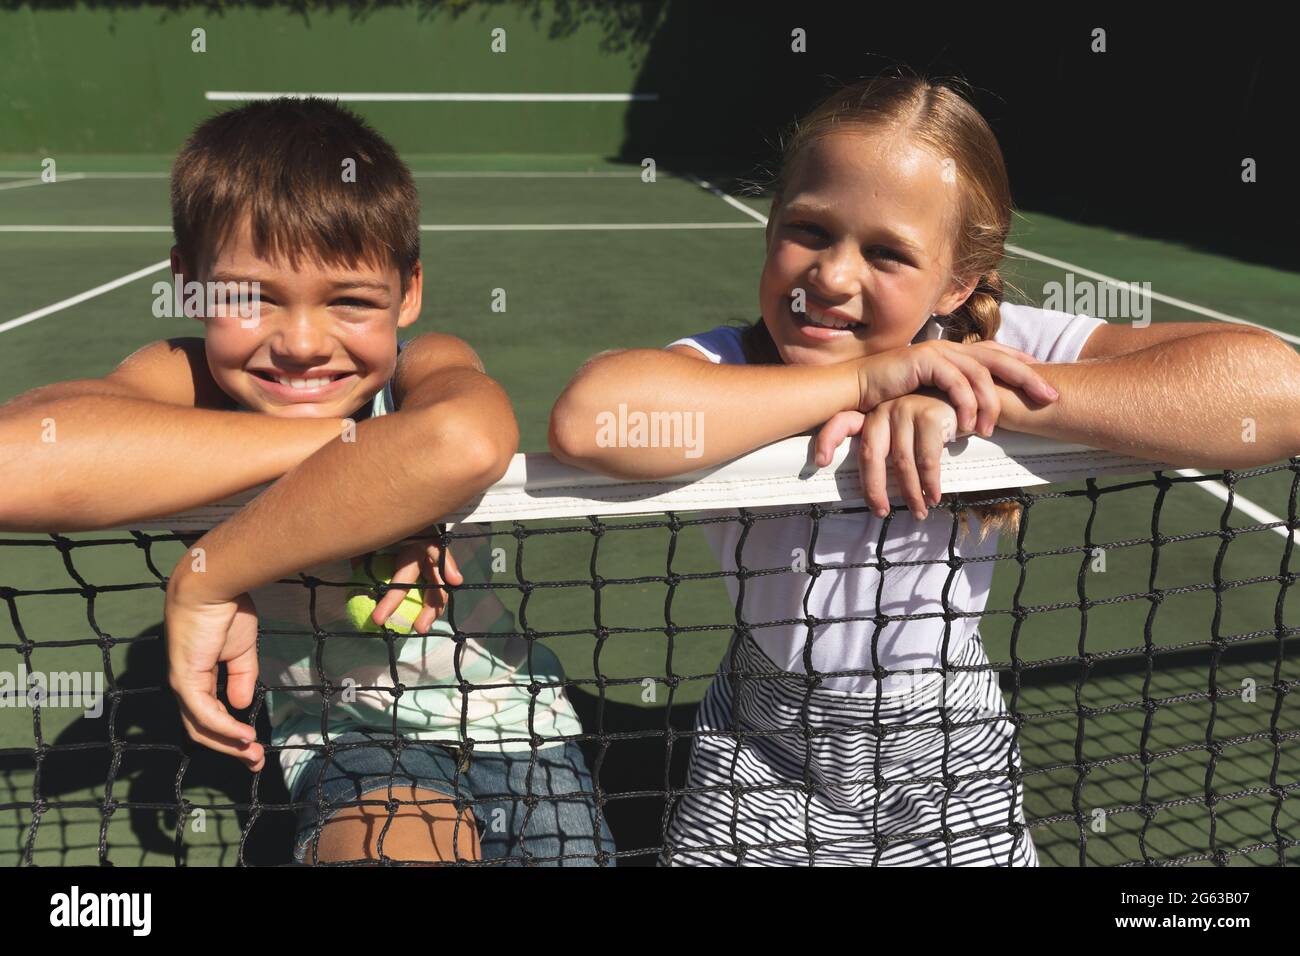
column 97, row 453
column 1187, row 401
column 454, row 435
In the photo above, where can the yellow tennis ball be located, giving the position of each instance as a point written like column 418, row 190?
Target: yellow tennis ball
column 363, row 595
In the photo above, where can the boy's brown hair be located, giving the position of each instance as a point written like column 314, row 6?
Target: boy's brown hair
column 281, row 163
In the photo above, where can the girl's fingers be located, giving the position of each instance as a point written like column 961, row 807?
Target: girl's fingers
column 986, row 394
column 1007, row 349
column 872, row 453
column 952, row 380
column 931, row 434
column 1016, row 372
column 902, row 457
column 832, row 434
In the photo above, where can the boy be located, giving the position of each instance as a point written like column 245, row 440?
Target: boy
column 312, row 217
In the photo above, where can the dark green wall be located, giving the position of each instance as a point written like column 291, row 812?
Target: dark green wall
column 90, row 80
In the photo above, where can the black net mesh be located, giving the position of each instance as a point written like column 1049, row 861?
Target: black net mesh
column 1128, row 700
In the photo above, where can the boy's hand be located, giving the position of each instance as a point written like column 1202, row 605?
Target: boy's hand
column 906, row 433
column 200, row 633
column 413, row 561
column 963, row 372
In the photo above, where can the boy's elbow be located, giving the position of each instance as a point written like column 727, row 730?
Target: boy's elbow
column 479, row 456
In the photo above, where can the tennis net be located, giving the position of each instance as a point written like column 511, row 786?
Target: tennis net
column 1129, row 680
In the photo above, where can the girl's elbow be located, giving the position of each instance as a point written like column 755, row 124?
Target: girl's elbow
column 568, row 440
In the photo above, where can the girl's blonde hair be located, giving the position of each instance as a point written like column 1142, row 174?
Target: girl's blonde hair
column 936, row 115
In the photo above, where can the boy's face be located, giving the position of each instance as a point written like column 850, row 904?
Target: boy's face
column 324, row 340
column 864, row 236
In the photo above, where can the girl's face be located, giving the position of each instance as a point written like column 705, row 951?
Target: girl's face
column 864, row 236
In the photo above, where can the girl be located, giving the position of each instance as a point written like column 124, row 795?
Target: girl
column 855, row 718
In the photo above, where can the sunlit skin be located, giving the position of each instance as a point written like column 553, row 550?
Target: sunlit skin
column 866, row 229
column 317, row 321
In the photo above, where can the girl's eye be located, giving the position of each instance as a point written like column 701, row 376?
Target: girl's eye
column 884, row 252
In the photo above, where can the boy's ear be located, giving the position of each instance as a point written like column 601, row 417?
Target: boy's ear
column 412, row 297
column 180, row 274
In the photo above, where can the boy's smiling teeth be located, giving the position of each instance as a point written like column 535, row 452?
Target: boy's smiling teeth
column 301, row 382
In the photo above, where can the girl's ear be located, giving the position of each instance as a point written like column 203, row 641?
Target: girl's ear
column 958, row 292
column 771, row 218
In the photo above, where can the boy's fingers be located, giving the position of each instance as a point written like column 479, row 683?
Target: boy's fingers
column 407, row 572
column 450, row 569
column 253, row 754
column 202, row 708
column 241, row 678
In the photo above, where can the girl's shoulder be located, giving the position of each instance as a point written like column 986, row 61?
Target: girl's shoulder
column 722, row 346
column 1046, row 334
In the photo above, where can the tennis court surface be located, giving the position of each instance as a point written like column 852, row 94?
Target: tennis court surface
column 1143, row 629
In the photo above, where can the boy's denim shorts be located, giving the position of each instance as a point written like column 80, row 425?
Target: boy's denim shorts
column 560, row 828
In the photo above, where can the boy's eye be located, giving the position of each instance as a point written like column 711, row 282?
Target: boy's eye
column 809, row 229
column 355, row 303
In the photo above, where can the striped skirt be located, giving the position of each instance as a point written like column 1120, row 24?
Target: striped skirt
column 784, row 775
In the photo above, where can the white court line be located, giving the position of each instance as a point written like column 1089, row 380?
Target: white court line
column 1262, row 515
column 83, row 296
column 1245, row 505
column 581, row 226
column 1157, row 296
column 443, row 227
column 444, row 174
column 232, row 95
column 62, row 178
column 1058, row 263
column 556, row 174
column 728, row 199
column 85, row 229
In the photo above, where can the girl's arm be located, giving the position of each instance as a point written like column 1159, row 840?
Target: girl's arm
column 650, row 413
column 723, row 410
column 1219, row 399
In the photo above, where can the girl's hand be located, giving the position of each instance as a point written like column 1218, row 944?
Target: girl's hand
column 963, row 372
column 907, row 434
column 413, row 561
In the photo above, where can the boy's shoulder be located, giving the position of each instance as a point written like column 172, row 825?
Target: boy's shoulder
column 174, row 371
column 428, row 354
